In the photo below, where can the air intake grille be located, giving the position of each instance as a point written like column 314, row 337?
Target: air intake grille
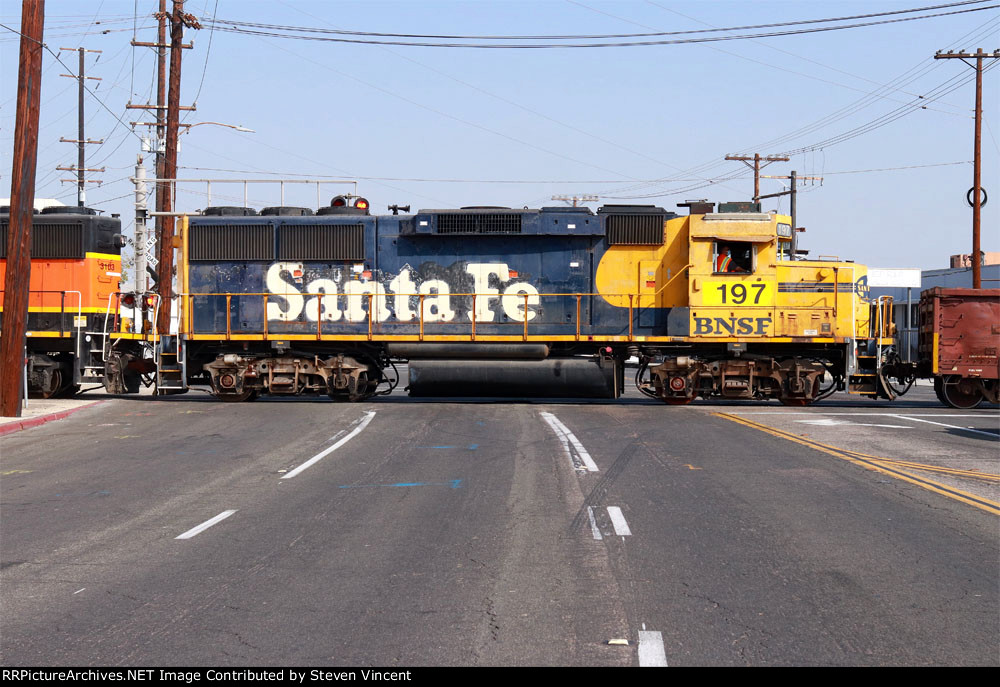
column 231, row 242
column 479, row 223
column 57, row 241
column 322, row 242
column 50, row 241
column 635, row 230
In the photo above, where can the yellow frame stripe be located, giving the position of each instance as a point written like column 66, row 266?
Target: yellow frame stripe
column 68, row 310
column 589, row 338
column 884, row 466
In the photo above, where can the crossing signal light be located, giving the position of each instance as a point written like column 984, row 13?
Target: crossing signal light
column 339, row 202
column 361, row 203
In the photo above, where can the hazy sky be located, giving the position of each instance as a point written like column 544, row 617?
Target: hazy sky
column 447, row 127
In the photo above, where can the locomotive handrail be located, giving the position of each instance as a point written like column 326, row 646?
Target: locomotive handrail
column 679, row 273
column 373, row 326
column 62, row 308
column 421, row 309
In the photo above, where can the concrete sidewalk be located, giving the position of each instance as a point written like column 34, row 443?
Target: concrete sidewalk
column 42, row 410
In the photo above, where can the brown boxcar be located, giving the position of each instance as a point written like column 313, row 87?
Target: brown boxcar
column 959, row 341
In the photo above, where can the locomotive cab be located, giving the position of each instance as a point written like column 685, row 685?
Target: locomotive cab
column 759, row 325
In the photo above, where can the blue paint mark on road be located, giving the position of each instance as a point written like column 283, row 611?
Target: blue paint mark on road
column 454, row 484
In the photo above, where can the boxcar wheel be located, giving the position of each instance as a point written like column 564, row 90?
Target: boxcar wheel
column 959, row 392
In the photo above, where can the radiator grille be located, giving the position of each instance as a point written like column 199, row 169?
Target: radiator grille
column 635, row 230
column 50, row 241
column 231, row 242
column 479, row 223
column 57, row 241
column 322, row 242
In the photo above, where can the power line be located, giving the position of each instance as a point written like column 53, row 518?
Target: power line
column 608, row 36
column 515, row 103
column 233, row 27
column 436, row 181
column 208, row 51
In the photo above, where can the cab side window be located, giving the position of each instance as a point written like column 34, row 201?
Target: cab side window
column 733, row 257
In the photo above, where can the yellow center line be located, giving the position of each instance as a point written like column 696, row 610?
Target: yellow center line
column 884, row 466
column 922, row 466
column 972, row 474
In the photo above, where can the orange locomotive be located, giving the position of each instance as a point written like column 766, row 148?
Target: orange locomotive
column 75, row 268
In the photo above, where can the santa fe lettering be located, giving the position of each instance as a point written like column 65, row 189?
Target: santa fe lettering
column 330, row 300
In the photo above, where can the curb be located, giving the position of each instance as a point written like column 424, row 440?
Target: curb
column 17, row 426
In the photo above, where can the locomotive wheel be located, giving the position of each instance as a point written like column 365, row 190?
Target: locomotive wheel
column 247, row 395
column 55, row 385
column 959, row 392
column 799, row 401
column 362, row 389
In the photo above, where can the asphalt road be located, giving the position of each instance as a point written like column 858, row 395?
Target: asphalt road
column 501, row 532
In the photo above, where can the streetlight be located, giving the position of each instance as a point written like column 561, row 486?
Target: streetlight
column 160, row 144
column 188, row 127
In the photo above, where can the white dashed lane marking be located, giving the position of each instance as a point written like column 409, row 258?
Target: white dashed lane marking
column 205, row 525
column 322, row 454
column 618, row 522
column 651, row 653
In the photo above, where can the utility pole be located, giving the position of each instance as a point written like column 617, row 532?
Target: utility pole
column 167, row 169
column 793, row 192
column 164, row 100
column 166, row 265
column 81, row 140
column 756, row 167
column 977, row 187
column 140, row 226
column 22, row 202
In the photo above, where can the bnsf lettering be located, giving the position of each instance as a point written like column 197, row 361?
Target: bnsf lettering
column 732, row 326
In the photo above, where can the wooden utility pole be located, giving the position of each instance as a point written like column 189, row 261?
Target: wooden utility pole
column 165, row 268
column 165, row 99
column 756, row 167
column 977, row 187
column 22, row 203
column 81, row 140
column 161, row 114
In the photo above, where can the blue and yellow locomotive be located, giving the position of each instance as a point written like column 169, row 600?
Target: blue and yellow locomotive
column 485, row 299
